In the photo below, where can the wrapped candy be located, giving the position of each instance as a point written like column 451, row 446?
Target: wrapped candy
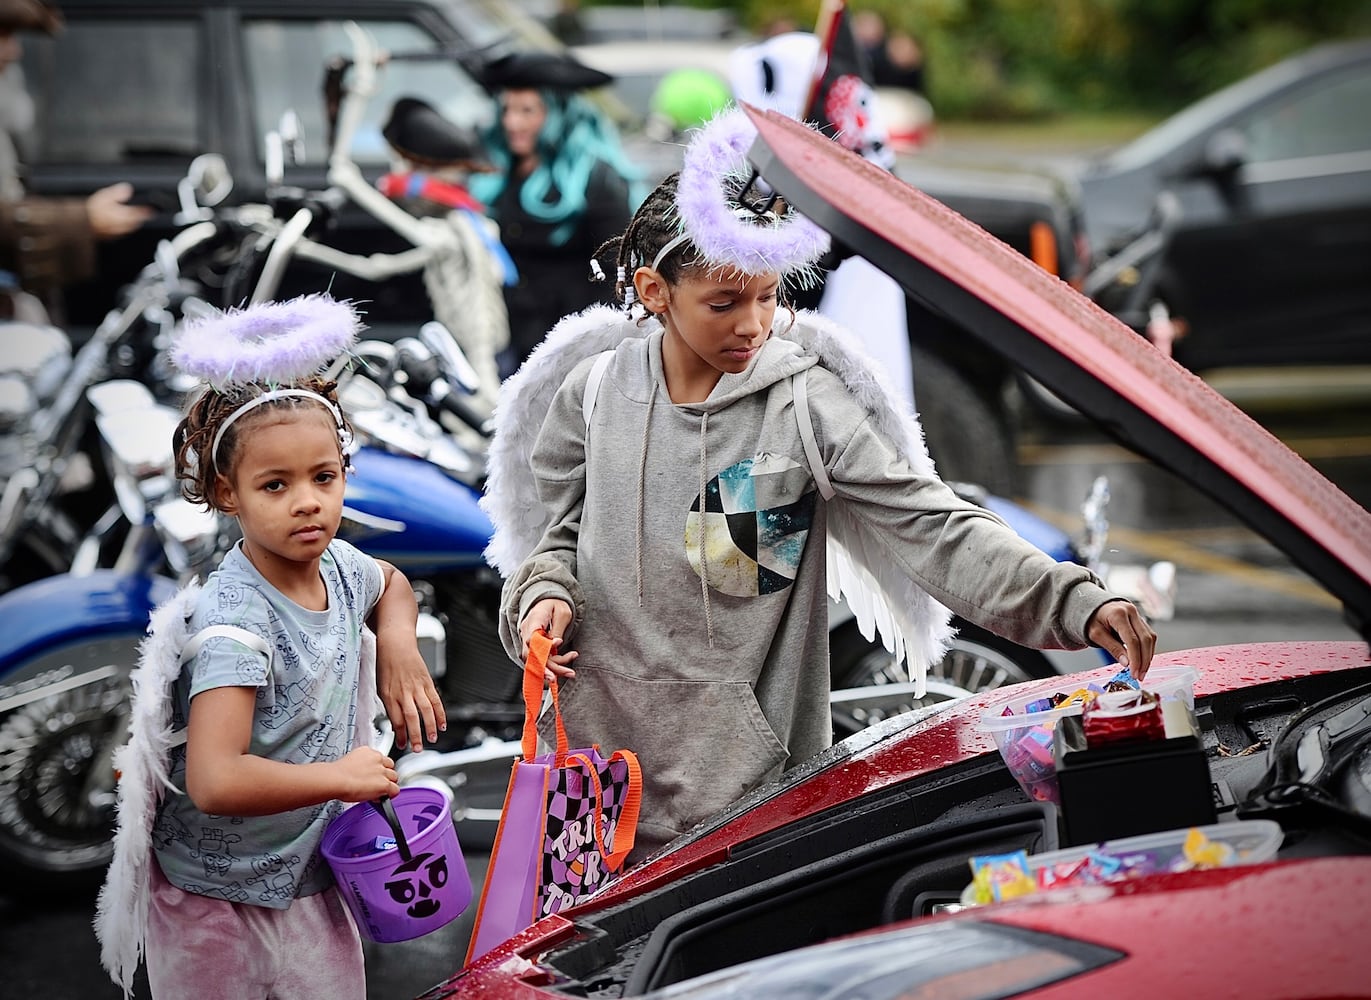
column 998, row 877
column 1201, row 852
column 1127, row 716
column 1063, row 873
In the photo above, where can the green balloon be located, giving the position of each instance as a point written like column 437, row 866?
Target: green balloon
column 690, row 97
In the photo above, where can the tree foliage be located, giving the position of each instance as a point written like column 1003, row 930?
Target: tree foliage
column 1030, row 58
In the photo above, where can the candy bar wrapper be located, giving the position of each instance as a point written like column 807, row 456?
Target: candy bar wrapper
column 1122, row 681
column 998, row 877
column 1064, row 873
column 1130, row 716
column 1029, row 753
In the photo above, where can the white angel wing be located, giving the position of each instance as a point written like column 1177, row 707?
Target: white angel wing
column 510, row 499
column 912, row 625
column 121, row 909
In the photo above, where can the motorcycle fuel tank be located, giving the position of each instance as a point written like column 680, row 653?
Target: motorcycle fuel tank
column 62, row 608
column 406, row 511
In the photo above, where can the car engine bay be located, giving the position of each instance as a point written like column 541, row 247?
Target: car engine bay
column 1296, row 751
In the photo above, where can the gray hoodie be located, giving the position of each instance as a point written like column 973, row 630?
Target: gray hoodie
column 710, row 661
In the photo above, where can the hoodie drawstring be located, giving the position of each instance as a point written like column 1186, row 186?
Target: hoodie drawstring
column 641, row 526
column 642, row 489
column 704, row 532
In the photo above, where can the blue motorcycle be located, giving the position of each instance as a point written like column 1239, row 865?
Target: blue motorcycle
column 69, row 644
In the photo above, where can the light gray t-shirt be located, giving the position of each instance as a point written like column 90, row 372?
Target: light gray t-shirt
column 306, row 708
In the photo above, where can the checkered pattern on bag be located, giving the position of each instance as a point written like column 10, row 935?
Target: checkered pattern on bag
column 572, row 866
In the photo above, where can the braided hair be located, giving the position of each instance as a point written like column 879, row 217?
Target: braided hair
column 654, row 225
column 193, row 438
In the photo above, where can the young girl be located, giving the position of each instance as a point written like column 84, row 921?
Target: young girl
column 272, row 695
column 683, row 490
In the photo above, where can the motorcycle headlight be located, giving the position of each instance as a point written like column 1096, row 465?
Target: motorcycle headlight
column 17, row 401
column 37, row 355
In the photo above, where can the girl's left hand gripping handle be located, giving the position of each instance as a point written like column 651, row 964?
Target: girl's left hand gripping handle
column 535, row 675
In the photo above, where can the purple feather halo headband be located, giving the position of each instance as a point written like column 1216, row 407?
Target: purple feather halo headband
column 713, row 174
column 272, row 344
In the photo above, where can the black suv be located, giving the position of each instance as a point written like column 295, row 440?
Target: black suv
column 135, row 90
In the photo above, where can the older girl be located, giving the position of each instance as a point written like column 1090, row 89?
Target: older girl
column 683, row 489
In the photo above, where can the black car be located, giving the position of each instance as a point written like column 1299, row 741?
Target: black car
column 134, row 91
column 1269, row 257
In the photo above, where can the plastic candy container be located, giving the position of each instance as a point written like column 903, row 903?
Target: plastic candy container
column 399, row 865
column 1022, row 728
column 1220, row 845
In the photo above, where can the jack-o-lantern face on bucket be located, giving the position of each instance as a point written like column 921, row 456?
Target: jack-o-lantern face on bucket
column 413, row 883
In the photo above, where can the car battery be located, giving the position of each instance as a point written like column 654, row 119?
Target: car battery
column 1126, row 789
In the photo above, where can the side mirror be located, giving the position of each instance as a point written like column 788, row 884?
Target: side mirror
column 436, row 338
column 1225, row 153
column 292, row 138
column 210, row 177
column 207, row 183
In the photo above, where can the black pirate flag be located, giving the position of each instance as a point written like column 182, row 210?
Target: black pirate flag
column 841, row 101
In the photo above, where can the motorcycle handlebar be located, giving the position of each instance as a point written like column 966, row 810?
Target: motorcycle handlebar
column 454, row 403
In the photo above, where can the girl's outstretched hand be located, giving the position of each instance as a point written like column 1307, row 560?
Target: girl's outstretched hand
column 1120, row 630
column 553, row 616
column 367, row 774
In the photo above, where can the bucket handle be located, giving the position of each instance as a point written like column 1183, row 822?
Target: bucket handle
column 386, row 808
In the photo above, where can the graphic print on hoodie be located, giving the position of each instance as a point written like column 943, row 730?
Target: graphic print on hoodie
column 757, row 515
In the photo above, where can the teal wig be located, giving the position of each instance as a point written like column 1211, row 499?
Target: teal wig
column 575, row 136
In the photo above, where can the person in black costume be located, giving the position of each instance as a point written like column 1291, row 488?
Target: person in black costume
column 563, row 188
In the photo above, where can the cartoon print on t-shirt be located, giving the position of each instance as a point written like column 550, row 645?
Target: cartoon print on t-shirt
column 274, row 876
column 214, row 850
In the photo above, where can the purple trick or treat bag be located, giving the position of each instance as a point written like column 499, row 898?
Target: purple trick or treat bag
column 567, row 825
column 586, row 802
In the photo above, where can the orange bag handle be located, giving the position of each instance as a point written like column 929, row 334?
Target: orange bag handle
column 627, row 830
column 535, row 670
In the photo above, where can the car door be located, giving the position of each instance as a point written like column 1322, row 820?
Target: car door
column 1278, row 273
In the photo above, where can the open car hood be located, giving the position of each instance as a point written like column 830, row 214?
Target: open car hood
column 1076, row 349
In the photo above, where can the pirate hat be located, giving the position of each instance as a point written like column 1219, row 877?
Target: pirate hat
column 419, row 132
column 540, row 70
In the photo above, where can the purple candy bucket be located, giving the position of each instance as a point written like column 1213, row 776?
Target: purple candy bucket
column 402, row 876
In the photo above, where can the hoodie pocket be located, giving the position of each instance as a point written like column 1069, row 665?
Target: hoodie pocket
column 702, row 744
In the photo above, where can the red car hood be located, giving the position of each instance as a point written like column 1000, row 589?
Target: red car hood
column 1077, row 350
column 954, row 735
column 1213, row 933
